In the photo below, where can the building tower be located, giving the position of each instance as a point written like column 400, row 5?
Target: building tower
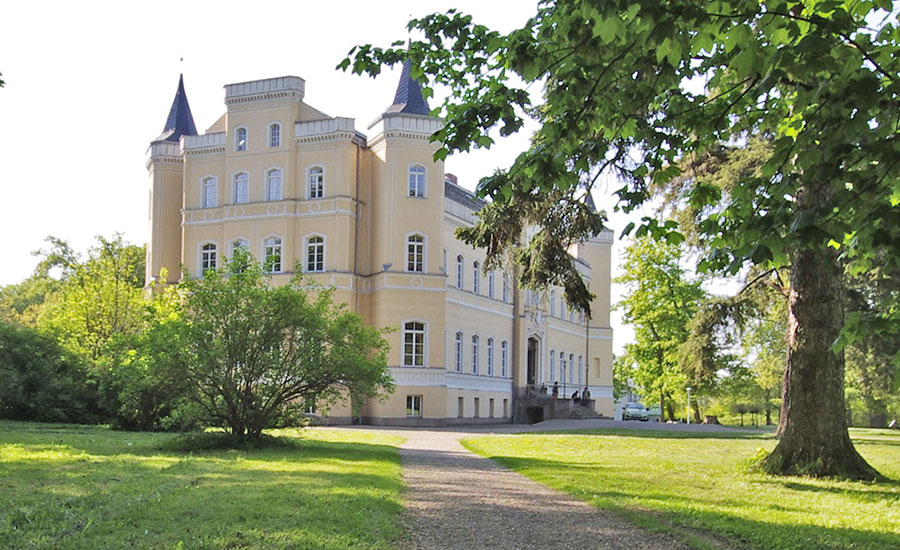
column 166, row 168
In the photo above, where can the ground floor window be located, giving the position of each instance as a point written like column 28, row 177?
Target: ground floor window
column 414, row 405
column 461, row 406
column 477, row 406
column 491, row 407
column 505, row 405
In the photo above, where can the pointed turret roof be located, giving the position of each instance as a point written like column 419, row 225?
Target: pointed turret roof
column 589, row 202
column 180, row 121
column 408, row 99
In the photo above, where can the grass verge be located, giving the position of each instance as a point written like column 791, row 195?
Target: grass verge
column 697, row 486
column 82, row 487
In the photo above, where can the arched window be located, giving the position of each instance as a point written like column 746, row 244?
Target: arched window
column 315, row 182
column 414, row 344
column 275, row 135
column 460, row 263
column 571, row 368
column 475, row 354
column 562, row 366
column 240, row 139
column 552, row 366
column 458, row 352
column 552, row 303
column 208, row 257
column 210, row 191
column 273, row 255
column 490, row 283
column 315, row 254
column 241, row 190
column 504, row 358
column 415, row 253
column 476, row 276
column 416, row 180
column 239, row 243
column 273, row 185
column 580, row 370
column 490, row 357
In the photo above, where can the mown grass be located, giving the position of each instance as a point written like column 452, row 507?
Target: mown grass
column 77, row 487
column 698, row 486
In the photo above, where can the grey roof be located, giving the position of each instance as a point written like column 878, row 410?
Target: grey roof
column 408, row 98
column 180, row 121
column 589, row 202
column 463, row 196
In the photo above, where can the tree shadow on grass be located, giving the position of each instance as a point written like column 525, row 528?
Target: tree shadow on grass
column 649, row 433
column 688, row 516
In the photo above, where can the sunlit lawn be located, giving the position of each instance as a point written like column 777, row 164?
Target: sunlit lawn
column 92, row 488
column 697, row 486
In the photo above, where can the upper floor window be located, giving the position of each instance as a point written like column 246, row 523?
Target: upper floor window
column 275, row 135
column 458, row 352
column 504, row 358
column 315, row 254
column 416, row 180
column 240, row 139
column 459, row 271
column 476, row 277
column 580, row 370
column 552, row 303
column 505, row 287
column 490, row 283
column 415, row 253
column 552, row 366
column 490, row 356
column 241, row 188
column 475, row 354
column 273, row 255
column 207, row 257
column 273, row 185
column 414, row 344
column 562, row 366
column 315, row 188
column 571, row 368
column 210, row 191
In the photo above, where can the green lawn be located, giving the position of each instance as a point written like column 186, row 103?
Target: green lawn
column 697, row 486
column 74, row 487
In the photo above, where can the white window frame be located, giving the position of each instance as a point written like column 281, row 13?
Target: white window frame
column 572, row 368
column 238, row 145
column 209, row 191
column 552, row 366
column 476, row 276
column 417, row 188
column 239, row 242
column 476, row 351
column 317, row 170
column 504, row 359
column 490, row 356
column 552, row 303
column 460, row 272
column 490, row 283
column 424, row 251
column 506, row 287
column 273, row 134
column 265, row 255
column 414, row 406
column 270, row 196
column 458, row 340
column 235, row 191
column 409, row 360
column 306, row 246
column 205, row 254
column 580, row 370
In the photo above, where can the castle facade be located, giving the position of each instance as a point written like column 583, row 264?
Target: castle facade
column 373, row 215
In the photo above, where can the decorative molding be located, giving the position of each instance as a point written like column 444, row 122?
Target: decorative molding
column 203, row 144
column 271, row 89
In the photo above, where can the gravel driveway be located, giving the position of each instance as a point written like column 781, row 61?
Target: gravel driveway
column 458, row 500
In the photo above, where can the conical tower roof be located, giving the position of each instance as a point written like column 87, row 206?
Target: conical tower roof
column 589, row 202
column 180, row 121
column 408, row 99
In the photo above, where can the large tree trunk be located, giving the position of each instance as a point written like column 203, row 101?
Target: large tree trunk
column 813, row 424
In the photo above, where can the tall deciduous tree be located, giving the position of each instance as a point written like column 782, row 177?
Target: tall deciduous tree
column 659, row 302
column 250, row 353
column 635, row 86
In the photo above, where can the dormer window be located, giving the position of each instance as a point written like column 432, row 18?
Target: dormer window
column 316, row 182
column 240, row 139
column 275, row 135
column 416, row 180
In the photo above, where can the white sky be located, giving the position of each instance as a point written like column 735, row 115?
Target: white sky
column 89, row 85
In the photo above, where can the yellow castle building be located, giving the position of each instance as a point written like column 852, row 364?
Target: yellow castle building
column 373, row 215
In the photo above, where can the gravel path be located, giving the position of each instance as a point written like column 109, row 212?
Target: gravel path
column 458, row 500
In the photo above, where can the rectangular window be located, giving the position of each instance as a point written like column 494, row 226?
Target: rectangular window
column 477, row 407
column 273, row 255
column 476, row 277
column 504, row 358
column 414, row 405
column 491, row 407
column 414, row 344
column 490, row 357
column 460, row 405
column 209, row 193
column 316, row 189
column 275, row 135
column 490, row 283
column 474, row 355
column 458, row 352
column 241, row 188
column 505, row 407
column 415, row 253
column 459, row 272
column 416, row 181
column 208, row 257
column 273, row 185
column 315, row 254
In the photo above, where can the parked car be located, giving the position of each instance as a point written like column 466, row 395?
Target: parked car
column 635, row 411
